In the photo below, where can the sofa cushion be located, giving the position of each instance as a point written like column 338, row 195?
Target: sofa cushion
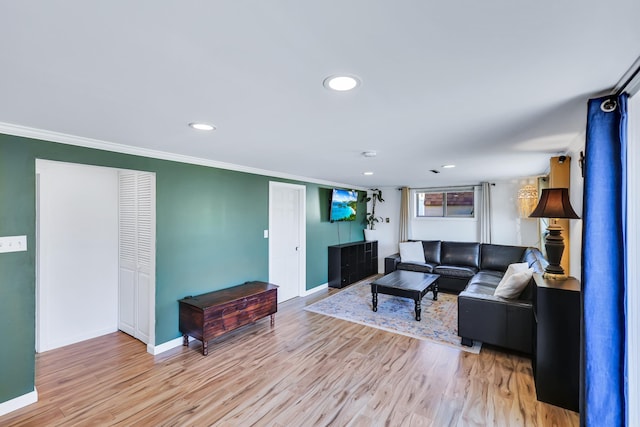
column 479, row 289
column 423, row 267
column 411, row 252
column 494, row 273
column 460, row 254
column 431, row 251
column 487, row 278
column 498, row 257
column 456, row 271
column 510, row 287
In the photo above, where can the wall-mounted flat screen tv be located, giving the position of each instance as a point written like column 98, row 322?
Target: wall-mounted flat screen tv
column 343, row 205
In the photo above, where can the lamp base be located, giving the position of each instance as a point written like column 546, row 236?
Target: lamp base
column 555, row 276
column 554, row 245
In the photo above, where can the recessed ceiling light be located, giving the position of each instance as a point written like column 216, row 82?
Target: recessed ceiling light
column 448, row 166
column 341, row 82
column 367, row 173
column 202, row 126
column 369, row 154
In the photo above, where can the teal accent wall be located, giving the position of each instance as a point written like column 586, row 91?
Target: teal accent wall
column 17, row 272
column 322, row 233
column 209, row 225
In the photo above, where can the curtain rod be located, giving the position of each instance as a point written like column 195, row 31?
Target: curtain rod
column 630, row 80
column 448, row 187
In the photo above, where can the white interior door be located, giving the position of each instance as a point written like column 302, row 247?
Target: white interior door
column 287, row 239
column 127, row 229
column 136, row 314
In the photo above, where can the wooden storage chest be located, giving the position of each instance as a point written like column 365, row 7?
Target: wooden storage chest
column 210, row 315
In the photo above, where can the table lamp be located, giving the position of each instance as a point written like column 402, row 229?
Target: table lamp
column 554, row 204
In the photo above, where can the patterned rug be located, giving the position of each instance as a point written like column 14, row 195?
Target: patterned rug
column 439, row 318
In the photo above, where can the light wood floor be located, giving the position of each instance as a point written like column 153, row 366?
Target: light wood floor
column 310, row 370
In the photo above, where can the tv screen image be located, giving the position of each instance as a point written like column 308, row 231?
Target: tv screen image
column 343, row 205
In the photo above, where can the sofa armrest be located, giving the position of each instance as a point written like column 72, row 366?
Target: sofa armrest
column 523, row 303
column 493, row 320
column 391, row 263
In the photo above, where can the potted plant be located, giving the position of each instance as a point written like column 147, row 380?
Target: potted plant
column 370, row 218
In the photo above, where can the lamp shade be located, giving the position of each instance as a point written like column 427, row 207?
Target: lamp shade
column 554, row 203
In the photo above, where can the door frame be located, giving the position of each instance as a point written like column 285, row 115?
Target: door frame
column 38, row 287
column 302, row 216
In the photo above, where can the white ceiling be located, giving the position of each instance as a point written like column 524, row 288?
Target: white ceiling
column 495, row 86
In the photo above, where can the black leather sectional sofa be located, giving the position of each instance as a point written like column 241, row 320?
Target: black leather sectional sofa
column 473, row 270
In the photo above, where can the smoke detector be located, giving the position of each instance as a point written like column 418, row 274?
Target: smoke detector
column 369, row 154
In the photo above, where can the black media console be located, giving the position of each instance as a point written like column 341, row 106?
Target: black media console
column 351, row 262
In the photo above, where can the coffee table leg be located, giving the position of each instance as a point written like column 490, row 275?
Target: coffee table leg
column 375, row 300
column 418, row 309
column 435, row 291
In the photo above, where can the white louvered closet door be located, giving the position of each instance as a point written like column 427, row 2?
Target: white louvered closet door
column 137, row 254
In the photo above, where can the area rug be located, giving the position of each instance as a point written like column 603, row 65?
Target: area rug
column 439, row 318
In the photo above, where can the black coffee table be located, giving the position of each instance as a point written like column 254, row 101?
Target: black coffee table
column 406, row 284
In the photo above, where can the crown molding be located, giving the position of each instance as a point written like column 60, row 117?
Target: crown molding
column 80, row 141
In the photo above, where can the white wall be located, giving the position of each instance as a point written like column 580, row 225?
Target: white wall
column 77, row 253
column 452, row 229
column 633, row 259
column 388, row 233
column 507, row 228
column 576, row 192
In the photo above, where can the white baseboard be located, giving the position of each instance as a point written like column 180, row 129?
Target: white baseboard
column 314, row 290
column 157, row 349
column 65, row 341
column 19, row 402
column 177, row 342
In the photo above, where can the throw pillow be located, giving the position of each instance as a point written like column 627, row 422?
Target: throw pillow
column 513, row 286
column 411, row 252
column 515, row 268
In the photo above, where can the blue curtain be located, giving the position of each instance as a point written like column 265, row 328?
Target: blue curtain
column 603, row 381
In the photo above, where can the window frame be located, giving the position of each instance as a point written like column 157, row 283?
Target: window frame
column 444, row 191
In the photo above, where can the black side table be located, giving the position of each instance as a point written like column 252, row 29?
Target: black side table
column 556, row 352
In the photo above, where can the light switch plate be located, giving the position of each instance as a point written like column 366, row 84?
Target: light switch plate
column 13, row 244
column 266, row 234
